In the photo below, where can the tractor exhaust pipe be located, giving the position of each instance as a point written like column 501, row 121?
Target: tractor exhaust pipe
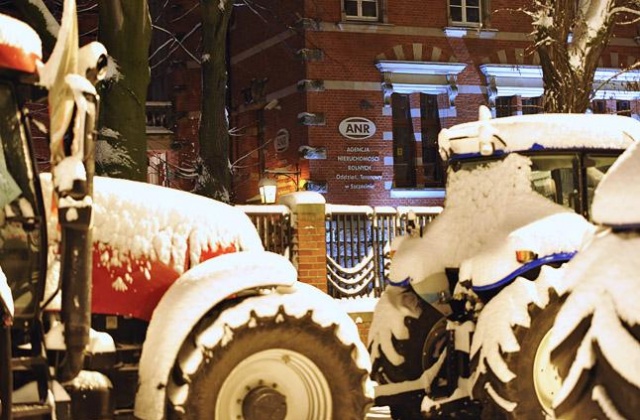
column 75, row 277
column 75, row 218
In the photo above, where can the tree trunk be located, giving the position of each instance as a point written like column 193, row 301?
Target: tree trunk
column 569, row 51
column 215, row 175
column 125, row 30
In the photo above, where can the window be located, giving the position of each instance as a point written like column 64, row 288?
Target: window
column 623, row 108
column 365, row 10
column 465, row 12
column 434, row 173
column 532, row 105
column 599, row 106
column 404, row 143
column 611, row 106
column 506, row 106
column 416, row 164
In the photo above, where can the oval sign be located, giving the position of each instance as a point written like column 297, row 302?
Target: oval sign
column 281, row 142
column 357, row 128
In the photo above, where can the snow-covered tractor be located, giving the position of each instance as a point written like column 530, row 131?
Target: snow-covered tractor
column 123, row 299
column 465, row 323
column 595, row 341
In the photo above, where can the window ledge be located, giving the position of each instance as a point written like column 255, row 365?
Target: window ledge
column 469, row 32
column 359, row 25
column 417, row 193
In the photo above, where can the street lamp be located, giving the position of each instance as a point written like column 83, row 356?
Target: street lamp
column 268, row 188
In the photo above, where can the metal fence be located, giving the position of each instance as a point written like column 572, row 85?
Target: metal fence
column 274, row 226
column 358, row 240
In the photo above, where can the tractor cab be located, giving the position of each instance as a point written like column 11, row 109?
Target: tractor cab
column 568, row 153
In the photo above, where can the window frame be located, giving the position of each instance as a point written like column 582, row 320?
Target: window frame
column 360, row 17
column 464, row 22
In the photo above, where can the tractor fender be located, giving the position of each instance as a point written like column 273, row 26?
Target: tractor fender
column 189, row 299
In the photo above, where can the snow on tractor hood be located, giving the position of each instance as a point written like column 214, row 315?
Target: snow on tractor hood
column 556, row 237
column 137, row 220
column 20, row 46
column 537, row 131
column 617, row 199
column 482, row 206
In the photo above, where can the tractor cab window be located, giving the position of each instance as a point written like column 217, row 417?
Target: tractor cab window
column 20, row 229
column 570, row 179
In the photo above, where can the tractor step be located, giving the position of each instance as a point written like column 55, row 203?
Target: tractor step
column 26, row 411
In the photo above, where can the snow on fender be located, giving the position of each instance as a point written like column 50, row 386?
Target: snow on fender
column 190, row 297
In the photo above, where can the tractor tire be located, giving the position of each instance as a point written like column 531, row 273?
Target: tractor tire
column 412, row 350
column 529, row 394
column 273, row 367
column 599, row 391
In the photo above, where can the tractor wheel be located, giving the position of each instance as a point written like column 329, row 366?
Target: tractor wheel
column 598, row 391
column 412, row 350
column 530, row 393
column 273, row 367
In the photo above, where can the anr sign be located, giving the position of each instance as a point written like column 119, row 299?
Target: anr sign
column 357, row 128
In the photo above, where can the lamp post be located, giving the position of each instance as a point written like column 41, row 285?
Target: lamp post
column 268, row 188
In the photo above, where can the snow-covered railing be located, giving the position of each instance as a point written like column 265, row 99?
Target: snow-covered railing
column 358, row 240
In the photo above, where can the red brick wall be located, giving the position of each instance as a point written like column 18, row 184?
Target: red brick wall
column 310, row 236
column 349, row 55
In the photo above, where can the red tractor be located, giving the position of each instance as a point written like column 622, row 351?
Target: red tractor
column 123, row 299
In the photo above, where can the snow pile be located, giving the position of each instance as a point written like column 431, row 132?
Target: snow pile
column 617, row 200
column 482, row 206
column 137, row 224
column 358, row 304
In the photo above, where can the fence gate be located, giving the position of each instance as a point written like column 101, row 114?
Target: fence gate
column 358, row 240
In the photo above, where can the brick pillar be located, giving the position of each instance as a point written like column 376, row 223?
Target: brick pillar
column 308, row 210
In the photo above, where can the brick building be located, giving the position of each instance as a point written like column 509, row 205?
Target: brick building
column 347, row 96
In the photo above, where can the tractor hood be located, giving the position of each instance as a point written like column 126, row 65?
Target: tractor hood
column 146, row 236
column 20, row 46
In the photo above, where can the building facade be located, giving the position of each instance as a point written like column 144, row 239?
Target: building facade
column 346, row 97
